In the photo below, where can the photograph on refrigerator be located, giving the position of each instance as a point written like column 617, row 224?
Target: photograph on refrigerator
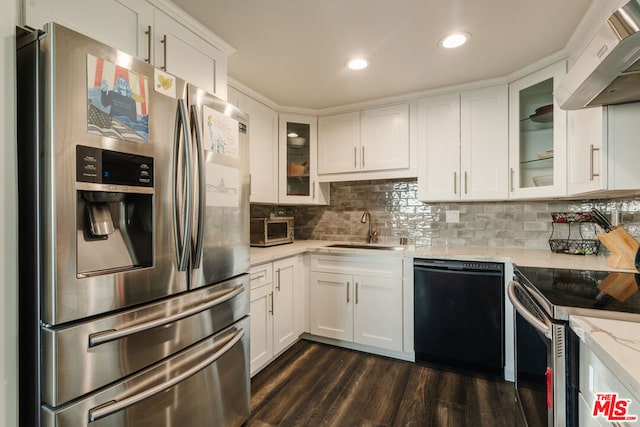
column 117, row 101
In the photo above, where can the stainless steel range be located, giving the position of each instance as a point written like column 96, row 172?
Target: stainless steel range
column 546, row 348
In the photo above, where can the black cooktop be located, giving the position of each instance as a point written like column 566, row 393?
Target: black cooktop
column 584, row 292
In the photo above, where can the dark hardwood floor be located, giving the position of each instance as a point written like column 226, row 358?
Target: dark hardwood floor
column 315, row 384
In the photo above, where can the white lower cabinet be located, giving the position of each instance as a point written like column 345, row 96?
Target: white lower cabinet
column 596, row 378
column 277, row 290
column 261, row 326
column 357, row 299
column 331, row 309
column 284, row 284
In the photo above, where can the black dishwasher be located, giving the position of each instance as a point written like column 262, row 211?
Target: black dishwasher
column 459, row 314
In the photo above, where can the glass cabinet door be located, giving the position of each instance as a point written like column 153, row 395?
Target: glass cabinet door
column 298, row 159
column 537, row 136
column 298, row 144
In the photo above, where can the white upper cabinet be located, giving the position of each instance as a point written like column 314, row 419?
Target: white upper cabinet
column 623, row 147
column 586, row 146
column 160, row 34
column 463, row 146
column 537, row 136
column 484, row 136
column 118, row 23
column 439, row 148
column 298, row 182
column 603, row 149
column 339, row 143
column 263, row 146
column 384, row 138
column 370, row 144
column 186, row 54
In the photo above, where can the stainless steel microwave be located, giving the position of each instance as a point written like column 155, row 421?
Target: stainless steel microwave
column 271, row 231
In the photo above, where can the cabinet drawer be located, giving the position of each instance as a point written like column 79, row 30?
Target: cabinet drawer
column 261, row 275
column 363, row 265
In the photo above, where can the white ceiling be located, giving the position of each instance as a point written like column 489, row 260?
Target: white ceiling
column 294, row 51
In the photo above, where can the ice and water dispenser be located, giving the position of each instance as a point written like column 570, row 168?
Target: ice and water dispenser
column 114, row 213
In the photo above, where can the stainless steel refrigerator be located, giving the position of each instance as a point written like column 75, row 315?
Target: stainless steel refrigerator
column 134, row 242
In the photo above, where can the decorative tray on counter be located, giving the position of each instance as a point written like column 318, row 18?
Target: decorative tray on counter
column 574, row 222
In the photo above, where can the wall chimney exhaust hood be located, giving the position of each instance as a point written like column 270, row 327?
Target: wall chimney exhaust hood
column 608, row 71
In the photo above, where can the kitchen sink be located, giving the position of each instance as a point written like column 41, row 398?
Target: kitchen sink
column 366, row 246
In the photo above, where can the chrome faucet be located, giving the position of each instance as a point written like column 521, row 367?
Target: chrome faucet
column 366, row 217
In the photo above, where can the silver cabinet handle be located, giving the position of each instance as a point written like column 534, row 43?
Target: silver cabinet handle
column 114, row 334
column 164, row 52
column 202, row 194
column 465, row 182
column 148, row 33
column 363, row 156
column 592, row 161
column 271, row 295
column 455, row 183
column 313, row 186
column 112, row 407
column 357, row 298
column 511, row 179
column 355, row 157
column 348, row 293
column 278, row 281
column 541, row 326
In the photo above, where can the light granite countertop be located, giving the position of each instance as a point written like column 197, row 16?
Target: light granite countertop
column 522, row 257
column 616, row 343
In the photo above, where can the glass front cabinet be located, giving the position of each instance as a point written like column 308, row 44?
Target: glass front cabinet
column 537, row 136
column 298, row 161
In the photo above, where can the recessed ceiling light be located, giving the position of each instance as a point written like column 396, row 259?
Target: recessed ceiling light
column 455, row 40
column 358, row 64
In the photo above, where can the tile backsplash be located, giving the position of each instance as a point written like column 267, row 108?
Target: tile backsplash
column 396, row 212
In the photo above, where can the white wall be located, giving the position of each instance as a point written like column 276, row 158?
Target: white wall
column 8, row 219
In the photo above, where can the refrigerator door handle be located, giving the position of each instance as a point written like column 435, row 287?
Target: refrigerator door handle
column 195, row 131
column 184, row 205
column 114, row 406
column 102, row 337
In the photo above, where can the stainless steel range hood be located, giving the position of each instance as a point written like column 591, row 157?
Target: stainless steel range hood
column 608, row 71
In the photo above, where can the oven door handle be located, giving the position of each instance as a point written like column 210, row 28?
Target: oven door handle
column 543, row 327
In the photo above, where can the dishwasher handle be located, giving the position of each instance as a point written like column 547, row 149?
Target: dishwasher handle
column 543, row 327
column 456, row 265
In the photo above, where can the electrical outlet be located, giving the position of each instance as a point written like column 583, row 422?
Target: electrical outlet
column 453, row 216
